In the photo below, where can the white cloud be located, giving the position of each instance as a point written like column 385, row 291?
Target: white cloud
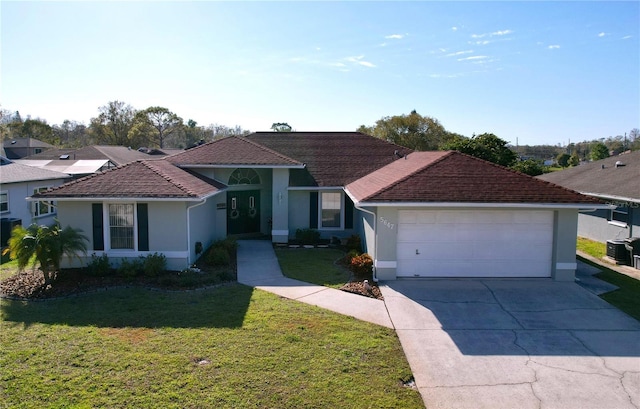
column 454, row 28
column 626, row 37
column 602, row 34
column 482, row 42
column 473, row 58
column 459, row 53
column 553, row 47
column 360, row 61
column 493, row 34
column 394, row 36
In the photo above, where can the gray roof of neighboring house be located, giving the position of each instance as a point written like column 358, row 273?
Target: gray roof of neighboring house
column 26, row 143
column 119, row 155
column 603, row 178
column 15, row 173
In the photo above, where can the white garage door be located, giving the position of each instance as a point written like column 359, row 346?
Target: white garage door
column 474, row 243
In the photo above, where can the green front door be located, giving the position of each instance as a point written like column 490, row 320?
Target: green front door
column 243, row 212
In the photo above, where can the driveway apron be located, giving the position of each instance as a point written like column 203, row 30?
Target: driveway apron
column 515, row 344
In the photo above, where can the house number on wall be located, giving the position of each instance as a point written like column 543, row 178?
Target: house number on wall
column 387, row 223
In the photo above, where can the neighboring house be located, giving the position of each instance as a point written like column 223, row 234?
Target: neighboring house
column 615, row 180
column 20, row 147
column 420, row 214
column 17, row 182
column 90, row 159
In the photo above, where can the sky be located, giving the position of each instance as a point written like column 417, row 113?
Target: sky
column 529, row 72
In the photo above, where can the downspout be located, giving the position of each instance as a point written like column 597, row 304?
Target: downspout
column 375, row 237
column 189, row 230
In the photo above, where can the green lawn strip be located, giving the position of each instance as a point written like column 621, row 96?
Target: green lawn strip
column 137, row 348
column 592, row 248
column 9, row 268
column 627, row 296
column 313, row 266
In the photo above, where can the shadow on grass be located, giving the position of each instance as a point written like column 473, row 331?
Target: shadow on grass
column 223, row 307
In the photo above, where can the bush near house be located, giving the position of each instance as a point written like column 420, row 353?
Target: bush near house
column 362, row 265
column 307, row 236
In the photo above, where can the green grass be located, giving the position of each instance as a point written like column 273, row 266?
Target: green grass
column 592, row 248
column 129, row 348
column 9, row 268
column 313, row 266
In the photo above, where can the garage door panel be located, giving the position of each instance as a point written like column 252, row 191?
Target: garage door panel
column 482, row 243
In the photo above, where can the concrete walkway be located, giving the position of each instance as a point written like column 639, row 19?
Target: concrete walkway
column 488, row 343
column 259, row 268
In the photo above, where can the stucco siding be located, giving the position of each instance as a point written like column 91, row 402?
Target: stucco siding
column 167, row 226
column 298, row 211
column 596, row 226
column 564, row 244
column 207, row 224
column 19, row 208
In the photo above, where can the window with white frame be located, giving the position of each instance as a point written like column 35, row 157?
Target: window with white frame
column 121, row 226
column 331, row 209
column 4, row 201
column 43, row 207
column 620, row 215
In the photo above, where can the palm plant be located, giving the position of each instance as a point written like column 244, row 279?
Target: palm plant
column 45, row 245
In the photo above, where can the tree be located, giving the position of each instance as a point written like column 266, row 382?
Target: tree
column 71, row 134
column 563, row 160
column 574, row 160
column 46, row 245
column 112, row 125
column 599, row 151
column 155, row 125
column 413, row 131
column 529, row 167
column 281, row 127
column 486, row 146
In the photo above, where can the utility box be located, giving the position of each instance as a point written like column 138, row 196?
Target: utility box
column 636, row 262
column 617, row 250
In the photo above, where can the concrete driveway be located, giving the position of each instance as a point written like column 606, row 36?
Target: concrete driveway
column 515, row 344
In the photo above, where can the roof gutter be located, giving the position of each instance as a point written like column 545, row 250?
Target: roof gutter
column 122, row 199
column 612, row 197
column 580, row 206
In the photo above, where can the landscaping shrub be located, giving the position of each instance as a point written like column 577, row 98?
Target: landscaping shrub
column 130, row 268
column 350, row 255
column 308, row 236
column 218, row 256
column 362, row 265
column 230, row 244
column 154, row 264
column 354, row 243
column 99, row 266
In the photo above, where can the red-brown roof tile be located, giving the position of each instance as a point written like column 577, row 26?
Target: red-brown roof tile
column 332, row 158
column 233, row 150
column 453, row 177
column 143, row 179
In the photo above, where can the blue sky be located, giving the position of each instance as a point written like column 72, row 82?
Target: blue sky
column 529, row 72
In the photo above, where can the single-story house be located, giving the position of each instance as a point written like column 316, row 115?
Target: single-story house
column 17, row 182
column 17, row 148
column 615, row 180
column 90, row 159
column 419, row 214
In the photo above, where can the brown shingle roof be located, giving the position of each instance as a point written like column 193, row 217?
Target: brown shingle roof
column 332, row 158
column 233, row 150
column 603, row 177
column 454, row 177
column 143, row 179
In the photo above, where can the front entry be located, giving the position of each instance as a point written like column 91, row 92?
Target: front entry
column 243, row 212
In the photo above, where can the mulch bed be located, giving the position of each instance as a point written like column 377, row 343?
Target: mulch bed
column 358, row 287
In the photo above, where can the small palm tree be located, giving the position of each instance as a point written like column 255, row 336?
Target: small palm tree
column 46, row 246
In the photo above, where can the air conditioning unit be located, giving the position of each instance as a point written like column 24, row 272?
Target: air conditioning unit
column 617, row 250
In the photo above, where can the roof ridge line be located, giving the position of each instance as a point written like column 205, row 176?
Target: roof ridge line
column 256, row 144
column 420, row 169
column 158, row 171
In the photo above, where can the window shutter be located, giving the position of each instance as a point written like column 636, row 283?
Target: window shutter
column 348, row 212
column 98, row 228
column 143, row 227
column 313, row 210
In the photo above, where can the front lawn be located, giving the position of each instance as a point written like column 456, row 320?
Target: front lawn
column 232, row 347
column 317, row 266
column 592, row 248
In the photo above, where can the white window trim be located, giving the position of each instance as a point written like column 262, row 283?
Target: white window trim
column 342, row 211
column 107, row 230
column 36, row 205
column 618, row 222
column 6, row 192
